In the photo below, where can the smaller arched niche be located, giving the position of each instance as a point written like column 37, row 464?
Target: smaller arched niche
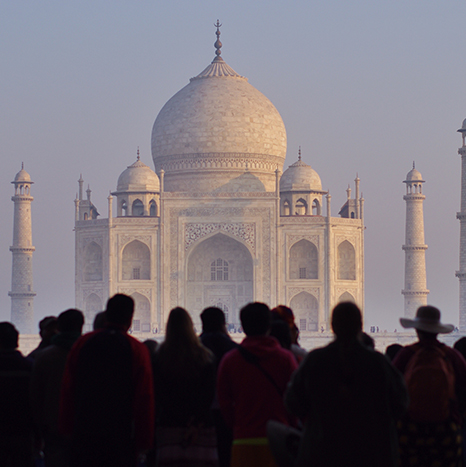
column 142, row 315
column 152, row 208
column 124, row 208
column 92, row 262
column 306, row 310
column 346, row 297
column 136, row 261
column 316, row 211
column 286, row 208
column 346, row 261
column 304, row 261
column 92, row 305
column 138, row 208
column 301, row 207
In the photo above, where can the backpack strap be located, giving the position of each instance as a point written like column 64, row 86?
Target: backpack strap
column 254, row 360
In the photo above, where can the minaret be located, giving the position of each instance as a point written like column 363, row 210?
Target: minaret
column 22, row 295
column 461, row 274
column 415, row 290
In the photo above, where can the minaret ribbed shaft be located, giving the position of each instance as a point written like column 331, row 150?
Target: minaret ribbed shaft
column 461, row 274
column 22, row 294
column 415, row 291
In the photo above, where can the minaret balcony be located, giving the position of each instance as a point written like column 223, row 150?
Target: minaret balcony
column 414, row 247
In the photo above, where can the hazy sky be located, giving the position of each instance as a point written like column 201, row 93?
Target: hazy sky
column 363, row 86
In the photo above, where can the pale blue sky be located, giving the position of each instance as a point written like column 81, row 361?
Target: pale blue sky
column 362, row 86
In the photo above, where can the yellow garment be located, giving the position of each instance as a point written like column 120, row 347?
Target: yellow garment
column 251, row 455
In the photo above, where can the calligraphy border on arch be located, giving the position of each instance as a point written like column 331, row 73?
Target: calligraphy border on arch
column 246, row 231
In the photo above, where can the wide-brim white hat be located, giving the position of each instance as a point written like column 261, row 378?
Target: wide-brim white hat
column 427, row 319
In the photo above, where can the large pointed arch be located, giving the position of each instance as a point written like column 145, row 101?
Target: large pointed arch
column 219, row 272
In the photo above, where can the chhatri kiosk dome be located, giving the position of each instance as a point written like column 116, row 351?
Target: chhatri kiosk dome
column 217, row 223
column 215, row 128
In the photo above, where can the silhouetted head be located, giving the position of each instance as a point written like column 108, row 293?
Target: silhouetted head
column 255, row 319
column 71, row 321
column 213, row 320
column 346, row 320
column 120, row 309
column 151, row 346
column 48, row 327
column 281, row 331
column 180, row 327
column 392, row 350
column 99, row 321
column 8, row 336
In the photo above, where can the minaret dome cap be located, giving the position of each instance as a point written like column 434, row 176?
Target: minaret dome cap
column 414, row 176
column 22, row 176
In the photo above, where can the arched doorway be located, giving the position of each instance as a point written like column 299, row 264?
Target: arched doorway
column 219, row 273
column 306, row 310
column 141, row 317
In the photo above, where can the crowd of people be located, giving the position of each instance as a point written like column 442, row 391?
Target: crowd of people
column 104, row 399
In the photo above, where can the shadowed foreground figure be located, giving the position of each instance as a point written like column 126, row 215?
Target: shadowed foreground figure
column 215, row 337
column 16, row 433
column 349, row 397
column 107, row 405
column 184, row 385
column 435, row 375
column 251, row 383
column 47, row 375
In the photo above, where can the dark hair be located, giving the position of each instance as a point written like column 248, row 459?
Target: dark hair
column 182, row 351
column 47, row 322
column 120, row 309
column 71, row 320
column 281, row 331
column 213, row 319
column 346, row 320
column 392, row 350
column 8, row 336
column 99, row 320
column 255, row 319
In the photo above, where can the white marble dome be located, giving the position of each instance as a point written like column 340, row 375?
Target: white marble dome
column 300, row 177
column 138, row 177
column 414, row 176
column 22, row 176
column 214, row 129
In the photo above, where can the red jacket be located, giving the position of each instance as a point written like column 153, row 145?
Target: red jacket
column 107, row 388
column 247, row 398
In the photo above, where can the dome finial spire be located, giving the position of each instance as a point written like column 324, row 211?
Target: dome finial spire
column 218, row 44
column 299, row 153
column 414, row 165
column 138, row 154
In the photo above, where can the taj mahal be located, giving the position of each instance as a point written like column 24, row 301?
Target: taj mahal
column 219, row 222
column 222, row 222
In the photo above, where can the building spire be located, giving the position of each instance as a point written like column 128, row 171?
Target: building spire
column 415, row 290
column 138, row 154
column 218, row 44
column 299, row 153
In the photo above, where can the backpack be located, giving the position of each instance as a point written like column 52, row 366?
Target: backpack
column 430, row 380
